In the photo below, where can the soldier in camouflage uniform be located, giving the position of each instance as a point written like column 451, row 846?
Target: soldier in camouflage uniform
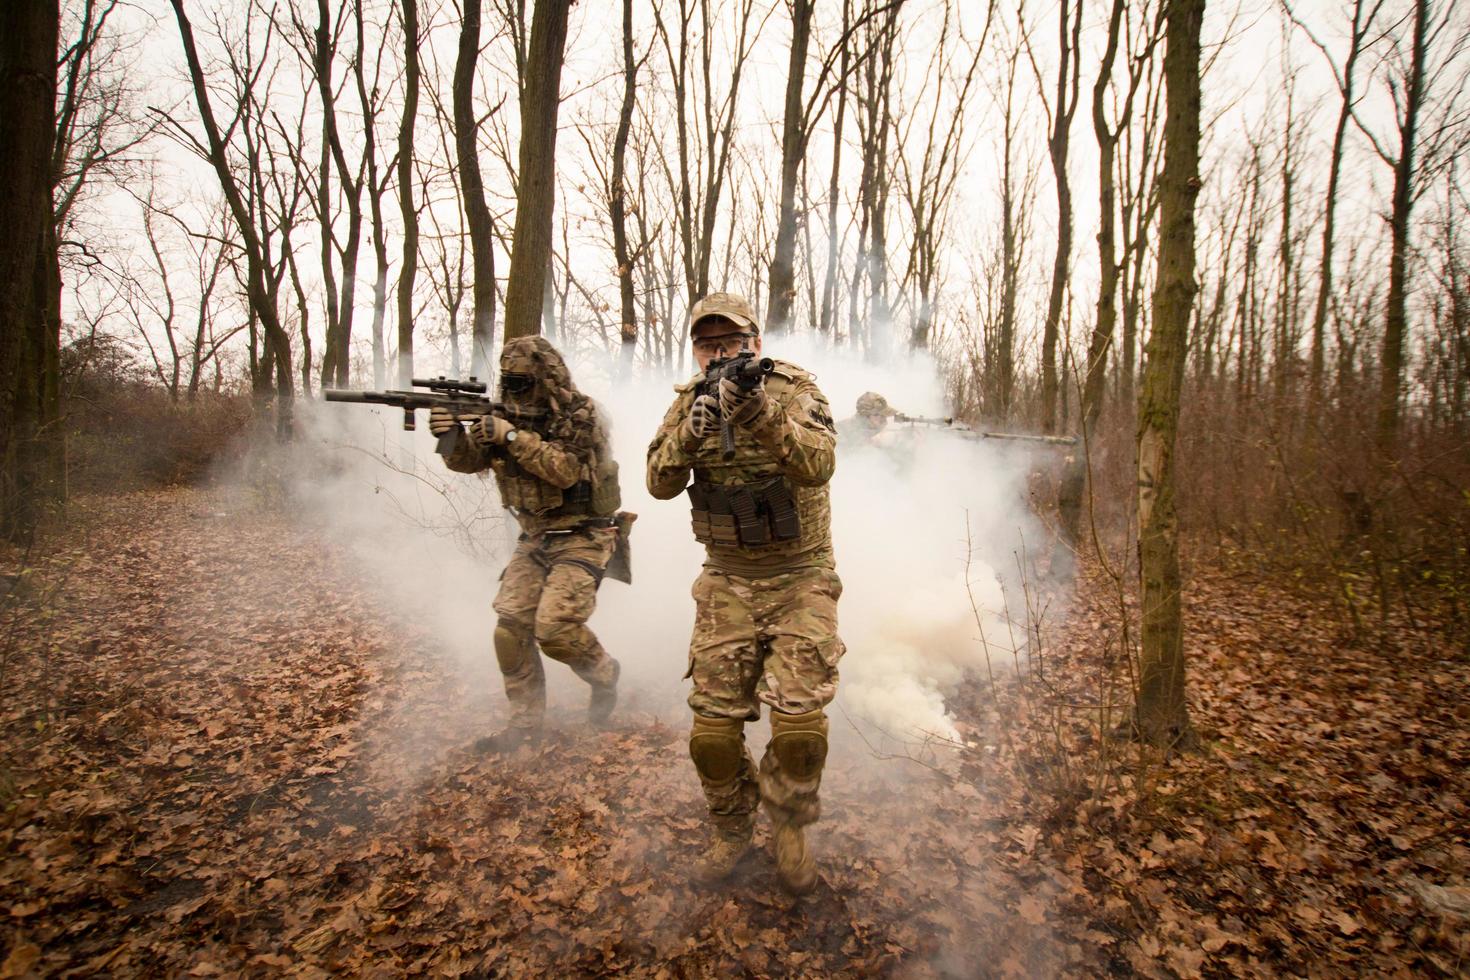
column 557, row 476
column 873, row 413
column 765, row 628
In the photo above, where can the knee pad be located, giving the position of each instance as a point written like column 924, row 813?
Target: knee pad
column 799, row 742
column 512, row 648
column 717, row 746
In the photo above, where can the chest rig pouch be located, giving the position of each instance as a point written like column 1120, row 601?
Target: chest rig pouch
column 524, row 491
column 743, row 515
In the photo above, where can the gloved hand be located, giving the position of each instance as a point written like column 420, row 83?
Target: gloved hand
column 741, row 406
column 489, row 430
column 702, row 420
column 441, row 420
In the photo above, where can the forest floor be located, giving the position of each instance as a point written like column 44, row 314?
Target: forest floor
column 212, row 762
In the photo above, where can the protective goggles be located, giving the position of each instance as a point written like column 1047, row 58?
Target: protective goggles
column 516, row 384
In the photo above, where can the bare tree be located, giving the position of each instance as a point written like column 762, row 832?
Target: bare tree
column 406, row 210
column 1362, row 22
column 261, row 296
column 1161, row 714
column 1059, row 118
column 472, row 189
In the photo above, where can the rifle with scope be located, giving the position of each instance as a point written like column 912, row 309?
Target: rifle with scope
column 466, row 400
column 965, row 431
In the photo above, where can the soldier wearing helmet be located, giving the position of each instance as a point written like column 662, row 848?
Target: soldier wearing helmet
column 765, row 630
column 873, row 413
column 558, row 478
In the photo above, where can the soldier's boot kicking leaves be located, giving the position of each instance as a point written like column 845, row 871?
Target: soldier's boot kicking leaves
column 525, row 689
column 796, row 867
column 728, row 846
column 604, row 698
column 791, row 774
column 717, row 746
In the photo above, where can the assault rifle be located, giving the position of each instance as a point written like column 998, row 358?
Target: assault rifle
column 966, row 432
column 746, row 371
column 462, row 398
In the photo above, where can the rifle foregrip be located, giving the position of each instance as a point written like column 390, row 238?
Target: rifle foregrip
column 727, row 439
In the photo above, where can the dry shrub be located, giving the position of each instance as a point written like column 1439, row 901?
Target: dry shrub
column 124, row 432
column 1309, row 497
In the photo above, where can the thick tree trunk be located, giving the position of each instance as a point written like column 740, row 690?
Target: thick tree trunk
column 530, row 252
column 1161, row 714
column 793, row 149
column 28, row 79
column 472, row 190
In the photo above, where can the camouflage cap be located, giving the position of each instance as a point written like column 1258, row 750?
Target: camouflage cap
column 872, row 403
column 731, row 306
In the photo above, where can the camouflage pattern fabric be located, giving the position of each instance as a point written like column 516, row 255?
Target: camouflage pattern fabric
column 766, row 640
column 560, row 451
column 794, row 437
column 547, row 593
column 765, row 626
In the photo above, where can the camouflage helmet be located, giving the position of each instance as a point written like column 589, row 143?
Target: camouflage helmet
column 731, row 306
column 872, row 403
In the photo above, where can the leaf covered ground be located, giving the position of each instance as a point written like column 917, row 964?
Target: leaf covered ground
column 214, row 760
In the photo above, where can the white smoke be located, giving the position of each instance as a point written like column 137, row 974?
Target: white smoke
column 914, row 518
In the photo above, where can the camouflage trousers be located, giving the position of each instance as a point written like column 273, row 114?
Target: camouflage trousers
column 766, row 640
column 547, row 593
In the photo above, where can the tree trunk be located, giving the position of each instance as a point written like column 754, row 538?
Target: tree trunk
column 410, row 269
column 618, row 203
column 1391, row 361
column 472, row 190
column 1161, row 714
column 28, row 75
column 1068, row 75
column 1107, row 290
column 793, row 147
column 530, row 251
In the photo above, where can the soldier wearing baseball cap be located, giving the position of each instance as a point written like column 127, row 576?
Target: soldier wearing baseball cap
column 765, row 628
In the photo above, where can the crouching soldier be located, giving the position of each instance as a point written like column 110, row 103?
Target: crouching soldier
column 554, row 468
column 765, row 628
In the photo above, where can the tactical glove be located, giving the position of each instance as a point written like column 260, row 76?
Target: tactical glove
column 441, row 420
column 703, row 419
column 489, row 430
column 741, row 406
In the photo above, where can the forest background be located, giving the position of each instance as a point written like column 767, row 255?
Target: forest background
column 248, row 203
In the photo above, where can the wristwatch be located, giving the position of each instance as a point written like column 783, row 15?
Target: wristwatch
column 511, row 436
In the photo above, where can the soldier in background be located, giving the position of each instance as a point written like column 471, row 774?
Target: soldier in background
column 873, row 413
column 559, row 479
column 765, row 629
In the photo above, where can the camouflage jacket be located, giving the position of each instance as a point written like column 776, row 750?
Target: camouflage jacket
column 545, row 474
column 794, row 437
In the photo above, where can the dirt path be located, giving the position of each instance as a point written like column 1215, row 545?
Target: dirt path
column 215, row 759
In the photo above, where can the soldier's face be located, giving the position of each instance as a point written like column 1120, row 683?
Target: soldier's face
column 717, row 337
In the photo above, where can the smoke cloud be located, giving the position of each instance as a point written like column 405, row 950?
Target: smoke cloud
column 928, row 531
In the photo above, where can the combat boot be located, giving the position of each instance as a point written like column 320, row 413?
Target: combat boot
column 796, row 868
column 507, row 741
column 604, row 699
column 728, row 846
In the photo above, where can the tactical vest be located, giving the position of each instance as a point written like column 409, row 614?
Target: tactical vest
column 597, row 494
column 743, row 509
